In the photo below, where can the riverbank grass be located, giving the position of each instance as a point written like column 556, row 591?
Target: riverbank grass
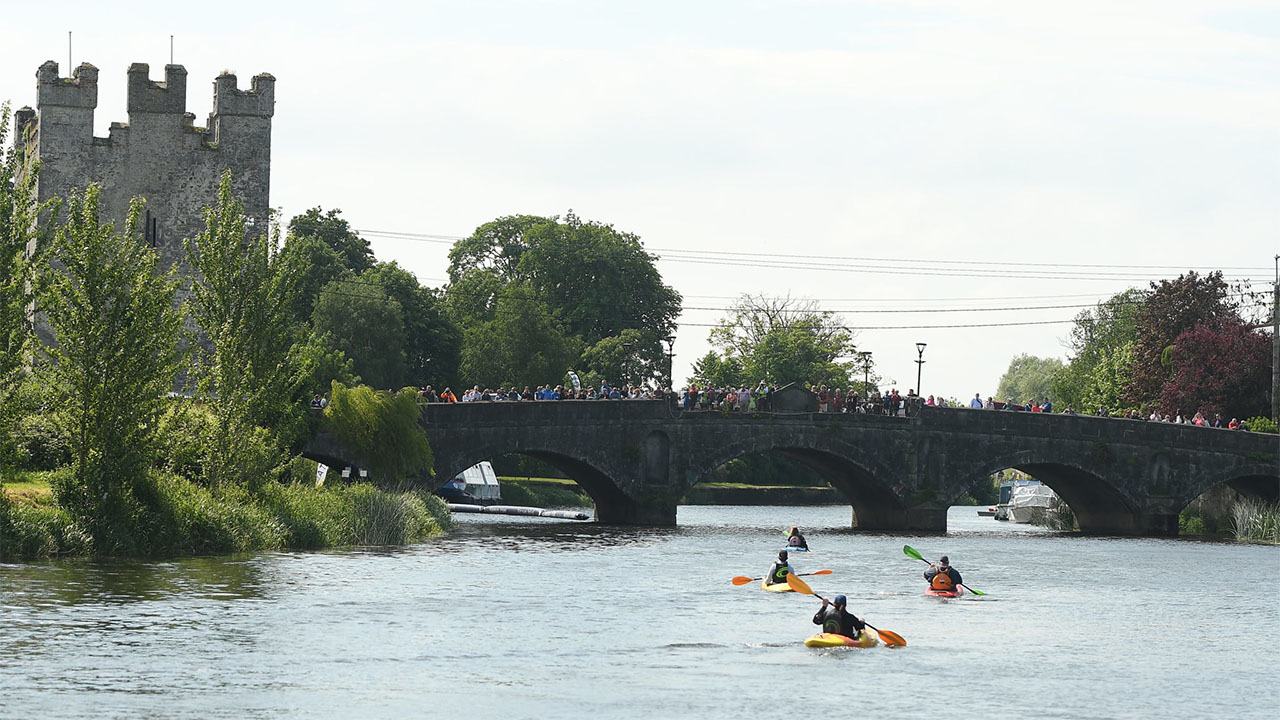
column 1256, row 521
column 169, row 515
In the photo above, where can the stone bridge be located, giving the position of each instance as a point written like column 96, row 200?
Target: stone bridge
column 637, row 459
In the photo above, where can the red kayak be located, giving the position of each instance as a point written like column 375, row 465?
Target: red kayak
column 957, row 592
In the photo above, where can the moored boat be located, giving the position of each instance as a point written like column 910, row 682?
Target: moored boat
column 824, row 640
column 1028, row 499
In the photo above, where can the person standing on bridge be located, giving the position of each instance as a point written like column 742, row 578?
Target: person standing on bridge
column 795, row 539
column 779, row 570
column 833, row 618
column 942, row 576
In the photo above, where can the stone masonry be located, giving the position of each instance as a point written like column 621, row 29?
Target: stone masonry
column 159, row 154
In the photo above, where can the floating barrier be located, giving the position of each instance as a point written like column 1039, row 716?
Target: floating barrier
column 519, row 510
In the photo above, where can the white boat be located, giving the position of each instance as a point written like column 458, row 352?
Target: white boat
column 477, row 484
column 1026, row 498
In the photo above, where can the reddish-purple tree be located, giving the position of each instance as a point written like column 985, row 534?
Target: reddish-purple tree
column 1171, row 308
column 1219, row 368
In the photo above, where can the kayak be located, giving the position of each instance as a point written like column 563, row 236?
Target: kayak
column 944, row 593
column 795, row 549
column 822, row 640
column 780, row 587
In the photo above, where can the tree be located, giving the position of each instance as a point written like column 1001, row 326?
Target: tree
column 362, row 321
column 720, row 371
column 243, row 296
column 314, row 264
column 433, row 342
column 786, row 340
column 1172, row 308
column 382, row 429
column 1029, row 378
column 330, row 229
column 1100, row 336
column 1219, row 368
column 523, row 344
column 23, row 232
column 630, row 357
column 117, row 332
column 596, row 281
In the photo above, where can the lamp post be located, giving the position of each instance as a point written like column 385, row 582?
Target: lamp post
column 919, row 365
column 671, row 344
column 626, row 361
column 866, row 372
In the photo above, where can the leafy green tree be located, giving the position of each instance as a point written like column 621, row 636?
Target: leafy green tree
column 1099, row 336
column 23, row 232
column 315, row 265
column 715, row 369
column 117, row 332
column 433, row 342
column 243, row 297
column 330, row 229
column 362, row 321
column 627, row 358
column 382, row 429
column 596, row 281
column 784, row 340
column 523, row 344
column 1029, row 378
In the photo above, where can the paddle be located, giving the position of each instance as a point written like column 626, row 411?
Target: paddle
column 912, row 552
column 886, row 636
column 742, row 580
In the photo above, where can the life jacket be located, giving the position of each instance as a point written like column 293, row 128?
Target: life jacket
column 942, row 581
column 795, row 541
column 778, row 573
column 833, row 621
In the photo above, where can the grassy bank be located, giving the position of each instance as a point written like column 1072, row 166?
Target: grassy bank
column 543, row 493
column 170, row 516
column 559, row 492
column 1256, row 521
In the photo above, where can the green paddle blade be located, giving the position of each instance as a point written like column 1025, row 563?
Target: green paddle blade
column 911, row 552
column 975, row 592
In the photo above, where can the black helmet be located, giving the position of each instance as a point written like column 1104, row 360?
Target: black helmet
column 838, row 600
column 782, row 554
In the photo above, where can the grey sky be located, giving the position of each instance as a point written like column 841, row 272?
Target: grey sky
column 1136, row 133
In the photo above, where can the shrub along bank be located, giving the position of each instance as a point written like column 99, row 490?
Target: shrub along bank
column 169, row 515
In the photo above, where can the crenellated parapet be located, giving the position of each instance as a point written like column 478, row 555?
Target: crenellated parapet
column 160, row 154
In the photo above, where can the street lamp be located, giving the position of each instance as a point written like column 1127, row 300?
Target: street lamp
column 671, row 344
column 626, row 361
column 919, row 365
column 866, row 372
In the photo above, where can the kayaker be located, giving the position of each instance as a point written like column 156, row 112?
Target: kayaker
column 795, row 539
column 778, row 571
column 835, row 619
column 942, row 576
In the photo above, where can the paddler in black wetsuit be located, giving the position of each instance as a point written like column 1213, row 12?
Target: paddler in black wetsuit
column 778, row 571
column 835, row 619
column 942, row 577
column 796, row 540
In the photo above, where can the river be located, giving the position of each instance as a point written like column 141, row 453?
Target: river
column 520, row 618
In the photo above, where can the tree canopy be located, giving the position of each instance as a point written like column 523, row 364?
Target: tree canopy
column 781, row 340
column 1029, row 378
column 592, row 281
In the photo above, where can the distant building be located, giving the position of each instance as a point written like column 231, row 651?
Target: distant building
column 160, row 154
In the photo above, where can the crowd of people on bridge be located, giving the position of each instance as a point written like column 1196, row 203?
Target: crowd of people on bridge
column 743, row 398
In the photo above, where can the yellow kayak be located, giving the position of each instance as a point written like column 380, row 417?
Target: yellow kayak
column 822, row 640
column 780, row 587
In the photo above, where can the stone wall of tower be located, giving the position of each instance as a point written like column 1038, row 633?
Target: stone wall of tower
column 159, row 154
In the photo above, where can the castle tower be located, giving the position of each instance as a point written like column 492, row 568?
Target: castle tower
column 159, row 154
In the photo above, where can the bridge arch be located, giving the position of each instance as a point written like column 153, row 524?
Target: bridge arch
column 859, row 478
column 1258, row 480
column 609, row 498
column 1099, row 507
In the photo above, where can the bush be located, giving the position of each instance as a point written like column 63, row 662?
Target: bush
column 354, row 515
column 381, row 429
column 1262, row 425
column 34, row 531
column 543, row 495
column 40, row 445
column 1257, row 521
